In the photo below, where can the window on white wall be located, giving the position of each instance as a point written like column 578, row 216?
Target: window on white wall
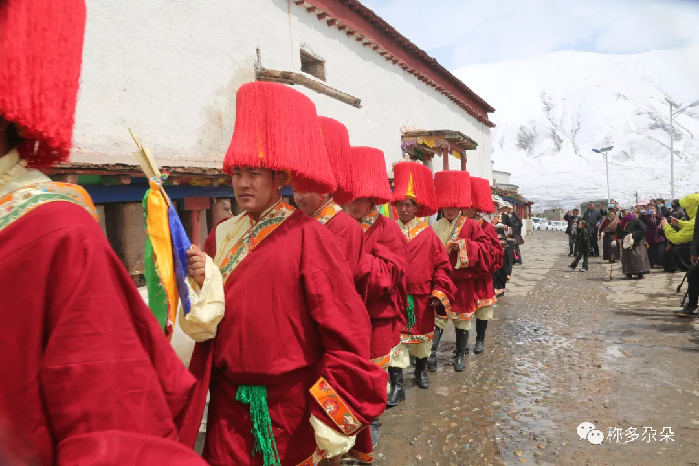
column 312, row 65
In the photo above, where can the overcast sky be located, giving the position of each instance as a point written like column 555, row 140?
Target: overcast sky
column 467, row 32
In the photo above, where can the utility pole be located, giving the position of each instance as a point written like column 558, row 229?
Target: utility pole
column 672, row 140
column 636, row 192
column 605, row 151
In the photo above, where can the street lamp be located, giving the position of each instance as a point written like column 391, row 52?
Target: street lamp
column 672, row 140
column 605, row 151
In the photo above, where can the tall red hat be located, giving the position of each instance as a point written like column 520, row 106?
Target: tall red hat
column 413, row 180
column 453, row 188
column 277, row 128
column 337, row 146
column 41, row 43
column 369, row 177
column 482, row 199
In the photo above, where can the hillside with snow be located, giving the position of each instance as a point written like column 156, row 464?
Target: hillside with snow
column 554, row 109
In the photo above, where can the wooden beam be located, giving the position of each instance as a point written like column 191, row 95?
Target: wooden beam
column 292, row 79
column 463, row 162
column 332, row 22
column 322, row 16
column 445, row 158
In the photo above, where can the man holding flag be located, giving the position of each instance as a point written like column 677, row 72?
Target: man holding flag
column 283, row 336
column 88, row 376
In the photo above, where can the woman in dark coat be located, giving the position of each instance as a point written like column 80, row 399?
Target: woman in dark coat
column 611, row 249
column 634, row 253
column 656, row 242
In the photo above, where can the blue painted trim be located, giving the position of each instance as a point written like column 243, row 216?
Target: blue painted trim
column 135, row 192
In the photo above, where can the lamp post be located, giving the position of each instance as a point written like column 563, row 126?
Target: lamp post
column 605, row 152
column 672, row 140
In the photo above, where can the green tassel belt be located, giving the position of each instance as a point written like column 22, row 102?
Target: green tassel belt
column 410, row 311
column 256, row 397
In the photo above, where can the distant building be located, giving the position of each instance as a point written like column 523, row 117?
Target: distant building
column 553, row 214
column 510, row 192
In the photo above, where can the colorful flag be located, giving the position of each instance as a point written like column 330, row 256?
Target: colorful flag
column 165, row 258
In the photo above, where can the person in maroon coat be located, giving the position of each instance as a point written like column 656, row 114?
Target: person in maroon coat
column 381, row 274
column 88, row 376
column 428, row 279
column 283, row 337
column 326, row 207
column 471, row 252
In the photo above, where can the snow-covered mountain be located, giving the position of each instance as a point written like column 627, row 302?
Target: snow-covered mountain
column 554, row 109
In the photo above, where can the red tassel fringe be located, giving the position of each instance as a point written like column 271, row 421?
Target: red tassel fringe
column 423, row 186
column 453, row 188
column 482, row 197
column 369, row 177
column 337, row 146
column 41, row 44
column 277, row 128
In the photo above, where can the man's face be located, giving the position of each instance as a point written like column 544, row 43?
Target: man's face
column 471, row 212
column 450, row 213
column 309, row 203
column 576, row 212
column 590, row 206
column 406, row 210
column 358, row 208
column 255, row 188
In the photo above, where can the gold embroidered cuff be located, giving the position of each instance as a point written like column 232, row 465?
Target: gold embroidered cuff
column 335, row 407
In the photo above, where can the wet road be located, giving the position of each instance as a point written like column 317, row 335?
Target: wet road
column 565, row 348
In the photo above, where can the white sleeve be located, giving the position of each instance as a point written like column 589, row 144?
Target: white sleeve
column 330, row 440
column 208, row 305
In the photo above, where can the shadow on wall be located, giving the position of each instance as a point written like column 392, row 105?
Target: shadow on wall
column 214, row 134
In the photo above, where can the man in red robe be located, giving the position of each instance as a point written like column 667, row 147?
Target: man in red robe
column 325, row 207
column 88, row 376
column 483, row 280
column 428, row 278
column 381, row 272
column 283, row 336
column 471, row 252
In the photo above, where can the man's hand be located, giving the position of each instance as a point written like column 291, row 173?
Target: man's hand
column 453, row 246
column 434, row 302
column 675, row 222
column 694, row 260
column 663, row 222
column 196, row 264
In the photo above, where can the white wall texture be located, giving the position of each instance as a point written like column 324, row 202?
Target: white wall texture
column 170, row 69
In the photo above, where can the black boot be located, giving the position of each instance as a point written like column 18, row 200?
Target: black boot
column 397, row 393
column 432, row 361
column 461, row 345
column 421, row 373
column 375, row 431
column 481, row 326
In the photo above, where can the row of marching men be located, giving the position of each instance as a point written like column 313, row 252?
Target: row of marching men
column 299, row 313
column 297, row 316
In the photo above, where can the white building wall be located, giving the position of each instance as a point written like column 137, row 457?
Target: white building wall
column 170, row 69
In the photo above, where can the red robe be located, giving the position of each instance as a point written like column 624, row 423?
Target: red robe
column 381, row 282
column 88, row 376
column 292, row 316
column 428, row 270
column 484, row 254
column 483, row 279
column 349, row 236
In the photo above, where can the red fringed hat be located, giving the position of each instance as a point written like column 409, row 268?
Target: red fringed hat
column 482, row 199
column 453, row 188
column 413, row 180
column 277, row 128
column 369, row 177
column 41, row 43
column 337, row 146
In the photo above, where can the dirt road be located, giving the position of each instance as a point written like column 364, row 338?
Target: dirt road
column 566, row 348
